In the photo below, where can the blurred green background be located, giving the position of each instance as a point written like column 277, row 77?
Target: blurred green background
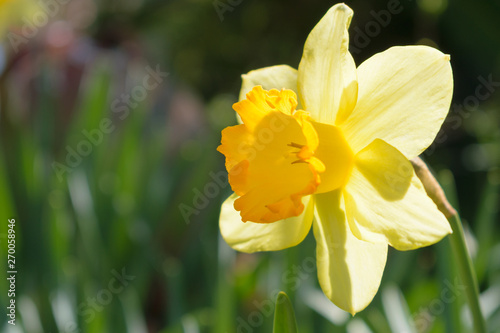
column 105, row 166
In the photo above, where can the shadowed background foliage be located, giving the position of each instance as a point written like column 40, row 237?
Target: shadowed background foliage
column 116, row 186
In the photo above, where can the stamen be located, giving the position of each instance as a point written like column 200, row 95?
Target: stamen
column 303, row 154
column 295, row 145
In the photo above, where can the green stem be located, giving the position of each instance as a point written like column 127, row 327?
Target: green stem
column 457, row 239
column 466, row 271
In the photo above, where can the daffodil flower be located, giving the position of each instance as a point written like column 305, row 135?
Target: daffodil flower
column 329, row 145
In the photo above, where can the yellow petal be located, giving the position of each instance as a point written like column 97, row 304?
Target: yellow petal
column 252, row 237
column 349, row 270
column 403, row 98
column 274, row 77
column 327, row 73
column 386, row 202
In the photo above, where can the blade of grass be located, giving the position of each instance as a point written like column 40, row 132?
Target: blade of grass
column 284, row 316
column 224, row 293
column 317, row 301
column 485, row 226
column 396, row 310
column 447, row 269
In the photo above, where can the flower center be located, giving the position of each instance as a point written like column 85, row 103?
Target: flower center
column 279, row 155
column 335, row 153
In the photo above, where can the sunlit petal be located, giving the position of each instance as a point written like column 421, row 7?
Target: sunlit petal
column 386, row 202
column 252, row 237
column 327, row 73
column 349, row 270
column 403, row 98
column 274, row 77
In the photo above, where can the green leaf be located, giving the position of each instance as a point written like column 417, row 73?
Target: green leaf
column 284, row 317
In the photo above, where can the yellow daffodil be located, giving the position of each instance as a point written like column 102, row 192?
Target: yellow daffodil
column 328, row 145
